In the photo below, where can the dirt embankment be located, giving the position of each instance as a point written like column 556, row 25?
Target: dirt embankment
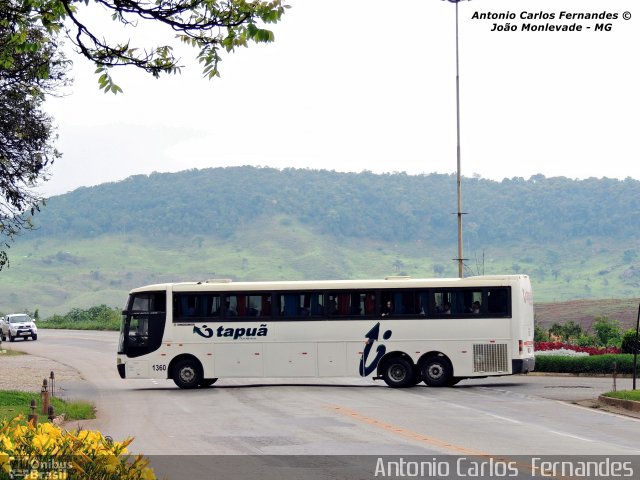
column 584, row 312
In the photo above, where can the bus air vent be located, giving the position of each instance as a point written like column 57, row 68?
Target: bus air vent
column 397, row 277
column 490, row 358
column 219, row 280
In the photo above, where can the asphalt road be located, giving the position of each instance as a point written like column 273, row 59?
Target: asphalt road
column 517, row 415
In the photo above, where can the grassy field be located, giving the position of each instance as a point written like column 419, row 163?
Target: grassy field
column 55, row 275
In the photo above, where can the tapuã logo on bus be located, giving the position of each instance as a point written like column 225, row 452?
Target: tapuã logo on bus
column 234, row 333
column 372, row 336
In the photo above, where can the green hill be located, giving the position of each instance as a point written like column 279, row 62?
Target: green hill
column 576, row 239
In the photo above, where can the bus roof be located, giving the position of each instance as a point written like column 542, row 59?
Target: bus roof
column 227, row 285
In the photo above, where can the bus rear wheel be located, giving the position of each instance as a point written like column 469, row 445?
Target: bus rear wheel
column 186, row 373
column 436, row 372
column 398, row 373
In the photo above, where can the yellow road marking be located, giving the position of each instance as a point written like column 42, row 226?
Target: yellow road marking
column 403, row 432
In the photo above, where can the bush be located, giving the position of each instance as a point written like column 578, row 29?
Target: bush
column 101, row 317
column 585, row 340
column 596, row 364
column 567, row 331
column 539, row 335
column 46, row 451
column 628, row 340
column 607, row 331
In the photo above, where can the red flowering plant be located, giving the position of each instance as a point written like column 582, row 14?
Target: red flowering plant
column 550, row 346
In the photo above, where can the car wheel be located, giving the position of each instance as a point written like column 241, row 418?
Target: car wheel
column 34, row 337
column 12, row 338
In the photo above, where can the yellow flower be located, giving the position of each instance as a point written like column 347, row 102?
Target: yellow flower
column 147, row 474
column 40, row 442
column 89, row 452
column 6, row 442
column 111, row 463
column 50, row 429
column 19, row 431
column 5, row 462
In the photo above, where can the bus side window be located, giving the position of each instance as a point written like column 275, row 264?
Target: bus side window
column 265, row 303
column 443, row 303
column 423, row 303
column 314, row 304
column 472, row 302
column 288, row 304
column 351, row 303
column 369, row 303
column 301, row 305
column 194, row 306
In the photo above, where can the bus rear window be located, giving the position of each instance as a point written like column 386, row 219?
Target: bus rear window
column 498, row 301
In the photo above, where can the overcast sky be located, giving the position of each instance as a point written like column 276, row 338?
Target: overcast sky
column 352, row 85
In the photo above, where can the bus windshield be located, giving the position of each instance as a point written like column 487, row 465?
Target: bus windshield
column 143, row 324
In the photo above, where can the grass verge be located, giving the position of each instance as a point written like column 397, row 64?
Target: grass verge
column 9, row 353
column 14, row 403
column 625, row 395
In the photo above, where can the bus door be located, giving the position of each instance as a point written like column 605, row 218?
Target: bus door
column 143, row 324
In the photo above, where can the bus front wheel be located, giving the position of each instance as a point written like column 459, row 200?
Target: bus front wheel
column 398, row 373
column 186, row 373
column 436, row 372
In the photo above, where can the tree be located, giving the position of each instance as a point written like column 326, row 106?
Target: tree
column 607, row 331
column 571, row 330
column 209, row 26
column 566, row 331
column 31, row 66
column 539, row 334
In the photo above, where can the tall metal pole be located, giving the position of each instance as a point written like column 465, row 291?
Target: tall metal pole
column 635, row 349
column 459, row 181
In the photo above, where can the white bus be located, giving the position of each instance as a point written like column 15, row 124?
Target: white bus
column 399, row 329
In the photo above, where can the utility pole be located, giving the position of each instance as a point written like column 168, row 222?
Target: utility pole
column 460, row 258
column 636, row 345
